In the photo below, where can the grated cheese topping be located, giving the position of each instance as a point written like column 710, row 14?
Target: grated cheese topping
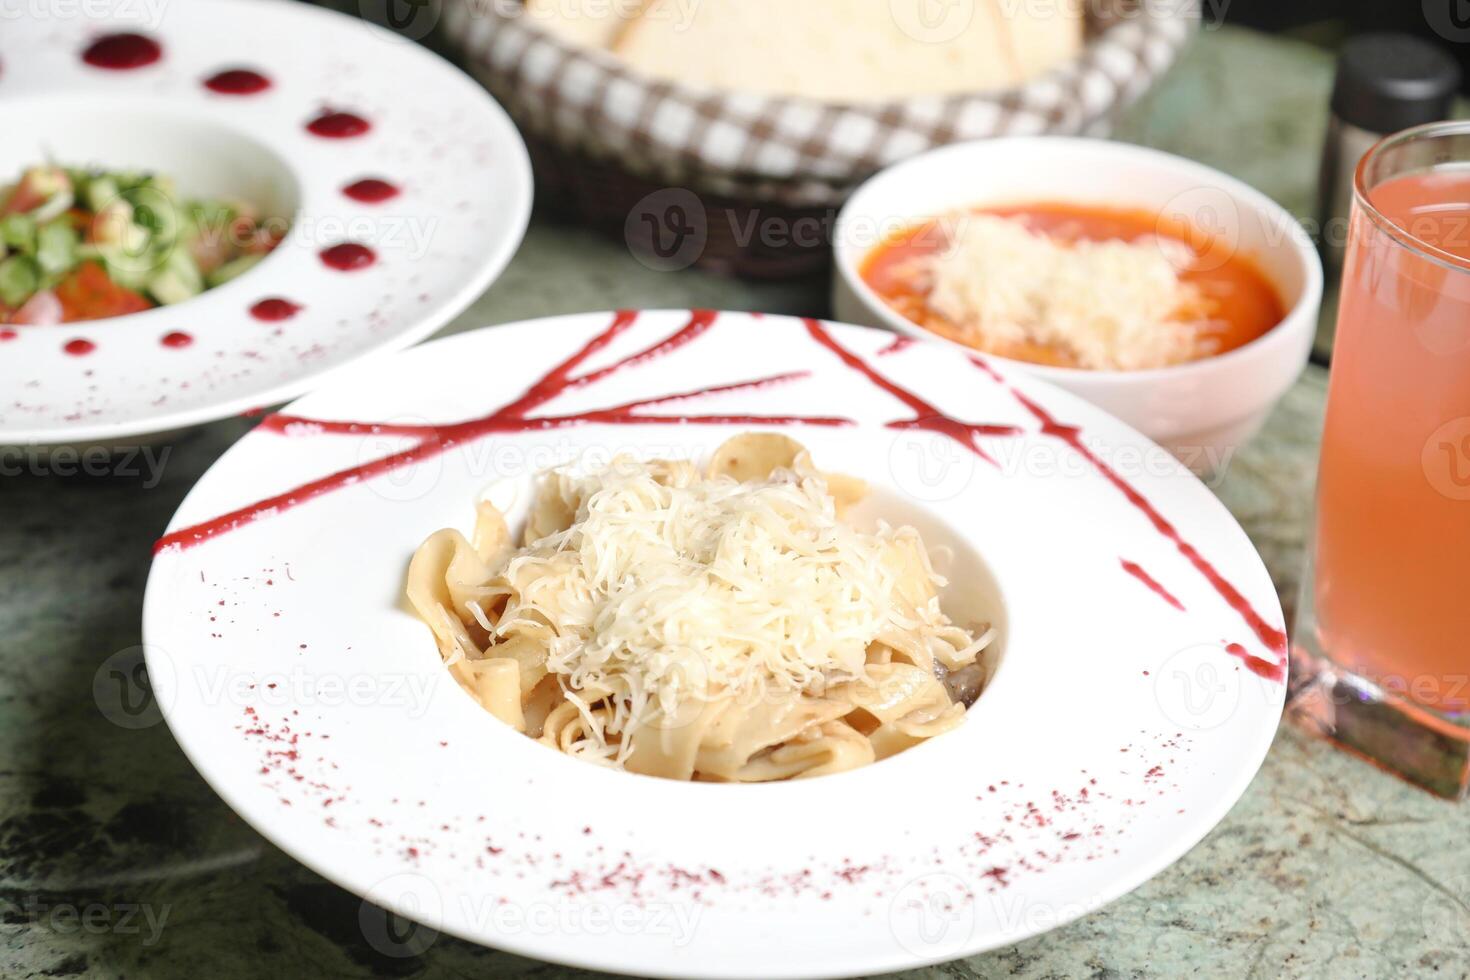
column 1112, row 305
column 670, row 586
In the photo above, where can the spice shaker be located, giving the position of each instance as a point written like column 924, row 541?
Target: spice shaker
column 1385, row 83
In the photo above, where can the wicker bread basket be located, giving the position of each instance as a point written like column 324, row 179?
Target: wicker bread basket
column 749, row 183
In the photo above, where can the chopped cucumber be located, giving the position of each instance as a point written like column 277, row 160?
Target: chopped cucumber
column 131, row 270
column 18, row 231
column 177, row 281
column 133, row 223
column 209, row 218
column 101, row 191
column 19, row 278
column 156, row 212
column 232, row 268
column 56, row 248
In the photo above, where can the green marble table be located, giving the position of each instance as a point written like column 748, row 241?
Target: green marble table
column 117, row 860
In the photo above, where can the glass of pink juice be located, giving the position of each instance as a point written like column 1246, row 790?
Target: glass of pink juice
column 1383, row 632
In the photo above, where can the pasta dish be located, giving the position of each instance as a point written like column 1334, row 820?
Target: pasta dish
column 724, row 625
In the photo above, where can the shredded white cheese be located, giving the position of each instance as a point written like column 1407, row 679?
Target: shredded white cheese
column 665, row 588
column 1112, row 305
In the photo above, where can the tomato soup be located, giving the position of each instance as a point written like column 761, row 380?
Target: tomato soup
column 1236, row 303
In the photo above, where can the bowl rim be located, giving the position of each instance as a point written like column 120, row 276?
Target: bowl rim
column 847, row 259
column 175, row 97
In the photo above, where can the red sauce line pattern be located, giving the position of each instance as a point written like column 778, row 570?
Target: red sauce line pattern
column 926, row 416
column 1273, row 638
column 435, row 440
column 1136, row 570
column 964, row 433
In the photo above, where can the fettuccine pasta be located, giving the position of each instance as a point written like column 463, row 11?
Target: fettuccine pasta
column 725, row 625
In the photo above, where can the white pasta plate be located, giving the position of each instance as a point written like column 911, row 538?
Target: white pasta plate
column 1137, row 677
column 314, row 104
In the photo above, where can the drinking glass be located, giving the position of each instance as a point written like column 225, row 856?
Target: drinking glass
column 1382, row 640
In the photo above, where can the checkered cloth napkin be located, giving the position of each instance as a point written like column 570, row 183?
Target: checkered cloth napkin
column 791, row 151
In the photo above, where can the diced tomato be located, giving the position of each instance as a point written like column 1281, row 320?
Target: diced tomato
column 209, row 251
column 89, row 294
column 35, row 188
column 264, row 240
column 43, row 309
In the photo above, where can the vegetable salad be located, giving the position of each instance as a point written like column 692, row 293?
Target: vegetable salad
column 87, row 244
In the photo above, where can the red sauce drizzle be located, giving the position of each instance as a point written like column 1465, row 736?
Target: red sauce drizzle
column 926, row 416
column 7, row 334
column 1136, row 570
column 963, row 433
column 336, row 125
column 1257, row 666
column 176, row 339
column 371, row 190
column 237, row 81
column 348, row 257
column 122, row 52
column 898, row 345
column 273, row 309
column 435, row 440
column 79, row 347
column 1273, row 638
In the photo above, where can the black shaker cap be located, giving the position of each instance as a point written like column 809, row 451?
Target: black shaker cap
column 1388, row 82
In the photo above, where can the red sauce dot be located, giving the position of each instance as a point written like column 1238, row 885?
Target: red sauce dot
column 237, row 81
column 370, row 190
column 8, row 334
column 338, row 125
column 348, row 257
column 176, row 339
column 274, row 308
column 79, row 347
column 122, row 52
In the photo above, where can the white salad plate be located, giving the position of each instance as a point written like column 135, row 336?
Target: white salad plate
column 460, row 167
column 1137, row 689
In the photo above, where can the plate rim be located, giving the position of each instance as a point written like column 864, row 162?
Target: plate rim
column 1203, row 819
column 452, row 304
